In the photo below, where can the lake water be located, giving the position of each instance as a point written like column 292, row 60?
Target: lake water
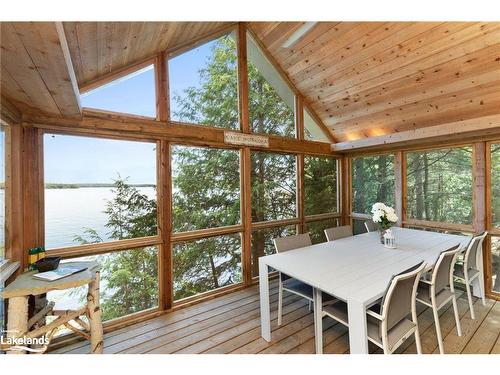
column 69, row 211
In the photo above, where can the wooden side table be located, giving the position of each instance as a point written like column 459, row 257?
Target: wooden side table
column 25, row 285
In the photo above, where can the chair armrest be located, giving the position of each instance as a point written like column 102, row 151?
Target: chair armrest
column 425, row 282
column 374, row 314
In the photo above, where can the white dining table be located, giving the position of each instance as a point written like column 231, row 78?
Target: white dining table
column 355, row 269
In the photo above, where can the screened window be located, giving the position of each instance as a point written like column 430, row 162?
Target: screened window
column 206, row 188
column 272, row 102
column 206, row 264
column 320, row 185
column 273, row 180
column 439, row 185
column 495, row 213
column 495, row 184
column 372, row 181
column 316, row 229
column 134, row 94
column 129, row 283
column 98, row 190
column 312, row 130
column 203, row 84
column 262, row 243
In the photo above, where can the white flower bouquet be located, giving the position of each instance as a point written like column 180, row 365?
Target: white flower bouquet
column 383, row 215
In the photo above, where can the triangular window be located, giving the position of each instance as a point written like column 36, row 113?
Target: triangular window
column 132, row 94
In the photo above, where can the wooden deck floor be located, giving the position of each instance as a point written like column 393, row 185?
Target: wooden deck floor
column 230, row 324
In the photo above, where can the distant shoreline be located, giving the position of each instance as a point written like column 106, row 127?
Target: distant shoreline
column 90, row 185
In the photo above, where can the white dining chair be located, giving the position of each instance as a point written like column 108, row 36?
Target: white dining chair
column 337, row 233
column 439, row 290
column 370, row 226
column 472, row 268
column 394, row 319
column 289, row 284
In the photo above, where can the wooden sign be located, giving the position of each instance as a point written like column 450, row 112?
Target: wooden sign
column 242, row 139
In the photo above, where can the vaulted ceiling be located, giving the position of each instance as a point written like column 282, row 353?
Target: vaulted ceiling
column 362, row 79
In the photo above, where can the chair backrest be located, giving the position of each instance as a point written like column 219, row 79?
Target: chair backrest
column 442, row 273
column 337, row 233
column 287, row 243
column 473, row 251
column 399, row 298
column 370, row 226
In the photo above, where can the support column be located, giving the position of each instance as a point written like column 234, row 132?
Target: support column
column 479, row 205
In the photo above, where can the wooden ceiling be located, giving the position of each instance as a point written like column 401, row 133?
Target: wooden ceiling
column 36, row 72
column 362, row 79
column 100, row 48
column 367, row 79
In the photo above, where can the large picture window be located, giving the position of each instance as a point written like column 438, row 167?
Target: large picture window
column 273, row 182
column 203, row 84
column 262, row 243
column 129, row 283
column 372, row 181
column 495, row 214
column 439, row 185
column 272, row 102
column 320, row 185
column 206, row 264
column 98, row 190
column 206, row 188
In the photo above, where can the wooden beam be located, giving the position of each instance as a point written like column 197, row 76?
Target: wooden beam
column 9, row 113
column 165, row 259
column 451, row 131
column 243, row 78
column 109, row 124
column 162, row 91
column 14, row 196
column 479, row 186
column 399, row 179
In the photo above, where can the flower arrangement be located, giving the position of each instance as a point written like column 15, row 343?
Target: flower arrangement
column 383, row 215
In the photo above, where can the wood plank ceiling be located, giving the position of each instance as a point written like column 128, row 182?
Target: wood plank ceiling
column 100, row 48
column 367, row 79
column 363, row 79
column 36, row 73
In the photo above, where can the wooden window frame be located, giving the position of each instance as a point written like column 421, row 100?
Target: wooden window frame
column 28, row 185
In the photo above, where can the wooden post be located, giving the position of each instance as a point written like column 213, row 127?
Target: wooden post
column 32, row 184
column 479, row 207
column 245, row 158
column 345, row 175
column 398, row 186
column 162, row 94
column 17, row 322
column 165, row 263
column 300, row 198
column 246, row 214
column 94, row 316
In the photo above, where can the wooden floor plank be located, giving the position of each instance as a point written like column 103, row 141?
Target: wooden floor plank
column 454, row 344
column 485, row 337
column 231, row 324
column 447, row 323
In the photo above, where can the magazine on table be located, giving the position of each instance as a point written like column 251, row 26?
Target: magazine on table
column 63, row 270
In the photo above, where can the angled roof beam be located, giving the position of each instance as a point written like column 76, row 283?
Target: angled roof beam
column 458, row 130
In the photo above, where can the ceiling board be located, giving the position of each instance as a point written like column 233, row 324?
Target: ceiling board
column 366, row 79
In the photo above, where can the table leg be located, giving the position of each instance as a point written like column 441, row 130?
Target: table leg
column 318, row 321
column 265, row 313
column 94, row 315
column 358, row 339
column 17, row 323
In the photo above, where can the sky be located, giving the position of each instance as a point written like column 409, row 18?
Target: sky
column 72, row 159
